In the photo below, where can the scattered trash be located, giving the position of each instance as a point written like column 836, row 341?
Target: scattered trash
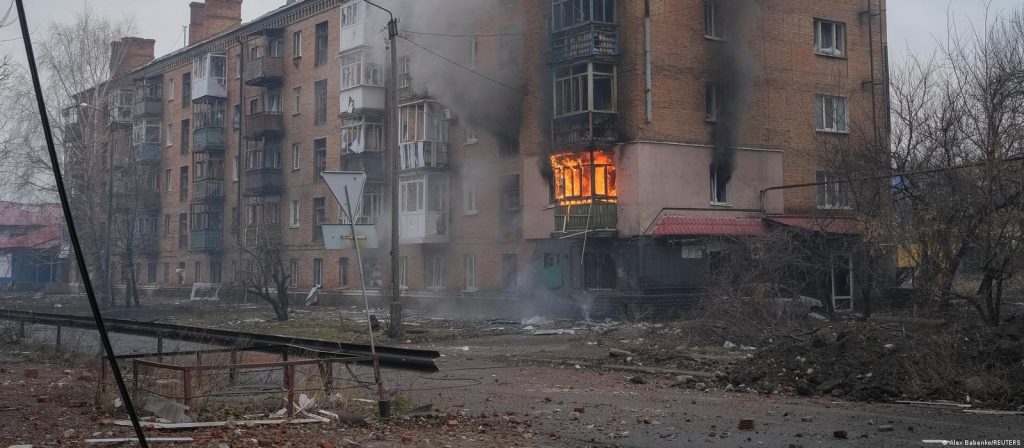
column 552, row 332
column 729, row 345
column 169, row 410
column 117, row 403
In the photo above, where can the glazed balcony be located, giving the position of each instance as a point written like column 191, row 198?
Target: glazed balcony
column 207, row 190
column 578, row 218
column 148, row 152
column 369, row 162
column 585, row 129
column 263, row 124
column 146, row 243
column 209, row 139
column 148, row 107
column 206, row 241
column 424, row 154
column 590, row 40
column 263, row 181
column 124, row 201
column 264, row 71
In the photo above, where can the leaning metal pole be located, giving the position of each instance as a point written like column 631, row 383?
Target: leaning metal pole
column 72, row 233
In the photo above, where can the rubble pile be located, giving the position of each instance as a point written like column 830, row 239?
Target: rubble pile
column 873, row 361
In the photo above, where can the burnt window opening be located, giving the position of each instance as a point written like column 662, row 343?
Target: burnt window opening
column 577, row 84
column 719, row 185
column 511, row 205
column 507, row 146
column 583, row 176
column 712, row 101
column 713, row 27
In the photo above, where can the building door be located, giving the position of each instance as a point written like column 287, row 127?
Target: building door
column 842, row 282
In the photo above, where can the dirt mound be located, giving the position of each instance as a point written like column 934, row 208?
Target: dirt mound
column 878, row 361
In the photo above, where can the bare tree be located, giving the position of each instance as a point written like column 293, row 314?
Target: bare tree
column 265, row 272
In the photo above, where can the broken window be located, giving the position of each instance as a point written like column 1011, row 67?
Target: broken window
column 569, row 13
column 719, row 185
column 321, row 44
column 146, row 131
column 832, row 192
column 350, row 14
column 511, row 205
column 357, row 70
column 842, row 282
column 362, row 134
column 829, row 38
column 581, row 176
column 319, row 218
column 412, row 195
column 831, row 114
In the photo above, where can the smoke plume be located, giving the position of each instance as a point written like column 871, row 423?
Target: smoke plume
column 732, row 69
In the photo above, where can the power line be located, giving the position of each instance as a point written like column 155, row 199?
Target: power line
column 464, row 35
column 500, row 83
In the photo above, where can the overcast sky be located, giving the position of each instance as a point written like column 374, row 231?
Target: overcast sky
column 914, row 25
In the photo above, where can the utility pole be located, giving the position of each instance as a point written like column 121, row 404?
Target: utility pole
column 391, row 115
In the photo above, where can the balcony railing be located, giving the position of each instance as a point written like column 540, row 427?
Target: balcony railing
column 206, row 241
column 589, row 40
column 148, row 107
column 264, row 71
column 581, row 217
column 209, row 139
column 208, row 190
column 147, row 152
column 424, row 154
column 585, row 129
column 263, row 124
column 262, row 181
column 370, row 162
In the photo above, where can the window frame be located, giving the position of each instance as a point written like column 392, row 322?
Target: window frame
column 715, row 198
column 295, row 214
column 714, row 26
column 469, row 272
column 322, row 43
column 840, row 115
column 297, row 44
column 831, row 193
column 837, row 35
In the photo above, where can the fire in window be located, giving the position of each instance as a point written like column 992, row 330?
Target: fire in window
column 583, row 176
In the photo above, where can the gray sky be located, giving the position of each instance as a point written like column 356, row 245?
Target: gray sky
column 914, row 25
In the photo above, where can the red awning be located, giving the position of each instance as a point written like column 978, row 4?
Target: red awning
column 824, row 224
column 42, row 238
column 675, row 225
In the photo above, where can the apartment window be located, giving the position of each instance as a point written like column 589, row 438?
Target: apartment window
column 469, row 198
column 234, row 271
column 293, row 271
column 183, row 186
column 321, row 44
column 473, row 44
column 181, row 272
column 186, row 130
column 170, row 89
column 356, row 71
column 296, row 100
column 832, row 192
column 167, row 225
column 235, row 169
column 508, row 146
column 320, row 102
column 319, row 158
column 470, row 135
column 343, row 272
column 829, row 38
column 199, row 272
column 373, row 201
column 167, row 179
column 509, row 271
column 318, row 271
column 186, row 88
column 295, row 156
column 713, row 28
column 293, row 219
column 831, row 114
column 470, row 266
column 719, row 185
column 712, row 101
column 170, row 133
column 511, row 204
column 403, row 265
column 167, row 273
column 215, row 269
column 433, row 275
column 274, row 48
column 412, row 195
column 182, row 231
column 238, row 66
column 297, row 44
column 349, row 14
column 569, row 13
column 254, row 53
column 236, row 120
column 319, row 218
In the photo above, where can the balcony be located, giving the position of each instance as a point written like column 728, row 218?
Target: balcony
column 148, row 107
column 146, row 243
column 137, row 200
column 263, row 181
column 586, row 41
column 208, row 190
column 264, row 71
column 369, row 162
column 586, row 129
column 424, row 154
column 424, row 227
column 262, row 124
column 147, row 152
column 206, row 241
column 599, row 218
column 261, row 234
column 209, row 139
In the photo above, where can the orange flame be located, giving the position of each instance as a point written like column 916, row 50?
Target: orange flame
column 581, row 177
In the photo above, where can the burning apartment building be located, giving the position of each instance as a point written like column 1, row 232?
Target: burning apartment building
column 549, row 149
